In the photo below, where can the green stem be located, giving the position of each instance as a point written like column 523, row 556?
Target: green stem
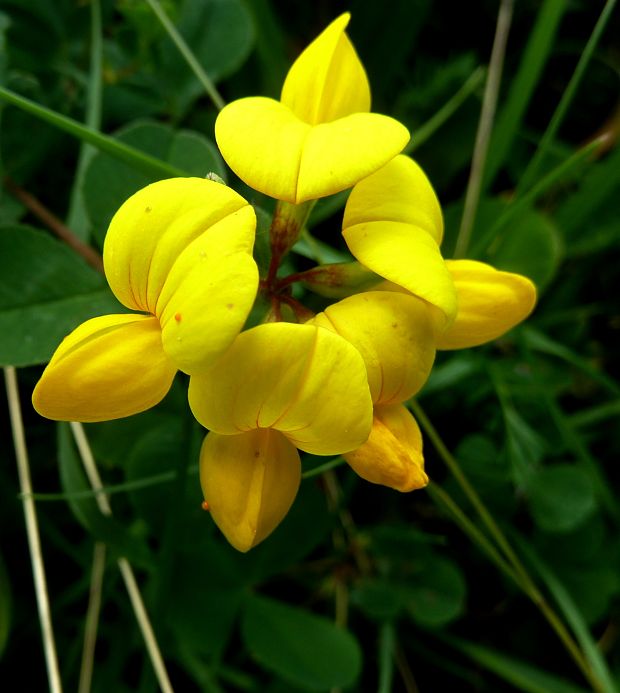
column 527, row 199
column 77, row 212
column 567, row 96
column 386, row 657
column 134, row 157
column 430, row 127
column 525, row 580
column 443, row 498
column 187, row 53
column 485, row 127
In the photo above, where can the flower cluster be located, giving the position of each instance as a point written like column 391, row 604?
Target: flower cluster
column 179, row 254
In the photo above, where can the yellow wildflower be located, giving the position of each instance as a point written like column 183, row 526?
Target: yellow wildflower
column 320, row 137
column 178, row 251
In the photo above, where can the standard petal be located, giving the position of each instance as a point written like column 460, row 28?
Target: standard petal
column 250, row 481
column 299, row 379
column 276, row 153
column 107, row 368
column 406, row 255
column 153, row 227
column 490, row 303
column 394, row 333
column 400, row 191
column 206, row 305
column 327, row 81
column 392, row 455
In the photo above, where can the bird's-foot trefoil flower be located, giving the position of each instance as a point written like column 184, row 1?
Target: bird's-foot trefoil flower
column 325, row 378
column 393, row 225
column 320, row 137
column 279, row 387
column 178, row 253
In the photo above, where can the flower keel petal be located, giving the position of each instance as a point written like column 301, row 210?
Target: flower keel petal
column 250, row 481
column 392, row 456
column 490, row 302
column 107, row 368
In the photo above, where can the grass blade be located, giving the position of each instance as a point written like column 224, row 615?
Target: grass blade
column 134, row 157
column 537, row 160
column 186, row 52
column 77, row 218
column 573, row 616
column 522, row 675
column 534, row 58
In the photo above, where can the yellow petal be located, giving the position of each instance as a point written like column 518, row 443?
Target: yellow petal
column 337, row 155
column 107, row 368
column 392, row 456
column 400, row 191
column 250, row 481
column 302, row 380
column 276, row 153
column 208, row 294
column 394, row 333
column 327, row 81
column 490, row 303
column 151, row 229
column 406, row 255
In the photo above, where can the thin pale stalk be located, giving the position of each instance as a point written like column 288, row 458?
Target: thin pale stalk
column 567, row 97
column 430, row 127
column 135, row 597
column 187, row 53
column 525, row 581
column 485, row 127
column 92, row 617
column 32, row 530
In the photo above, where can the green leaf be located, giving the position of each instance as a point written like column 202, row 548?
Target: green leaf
column 438, row 595
column 530, row 244
column 307, row 650
column 153, row 453
column 522, row 675
column 379, row 598
column 101, row 527
column 108, row 182
column 561, row 497
column 208, row 594
column 5, row 606
column 46, row 290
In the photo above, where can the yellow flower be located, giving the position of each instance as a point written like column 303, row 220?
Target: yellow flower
column 393, row 225
column 179, row 253
column 394, row 333
column 320, row 137
column 279, row 387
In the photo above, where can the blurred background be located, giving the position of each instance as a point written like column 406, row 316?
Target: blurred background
column 361, row 588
